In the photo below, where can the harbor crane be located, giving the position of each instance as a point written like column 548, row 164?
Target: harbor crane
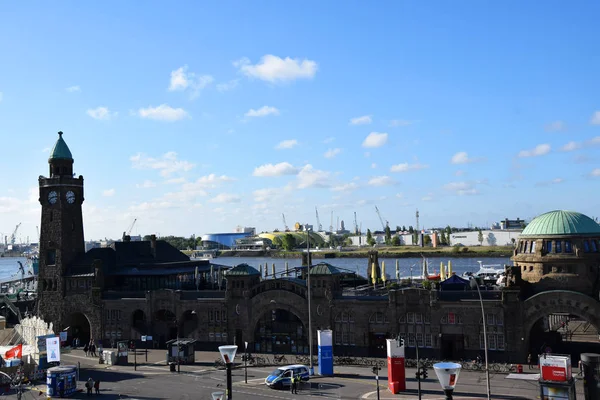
column 131, row 227
column 356, row 232
column 13, row 237
column 381, row 219
column 318, row 221
column 285, row 227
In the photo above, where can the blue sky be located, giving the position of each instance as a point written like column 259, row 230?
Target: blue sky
column 197, row 117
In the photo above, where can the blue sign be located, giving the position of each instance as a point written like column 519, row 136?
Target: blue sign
column 325, row 352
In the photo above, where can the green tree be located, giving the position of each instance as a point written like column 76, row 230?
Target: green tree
column 277, row 241
column 396, row 241
column 403, row 228
column 370, row 241
column 443, row 240
column 411, row 229
column 288, row 242
column 426, row 240
column 480, row 237
column 388, row 235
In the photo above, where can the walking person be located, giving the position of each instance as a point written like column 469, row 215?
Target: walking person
column 97, row 386
column 529, row 361
column 293, row 384
column 93, row 349
column 86, row 348
column 89, row 385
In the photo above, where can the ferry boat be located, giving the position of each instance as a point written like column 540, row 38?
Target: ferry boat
column 488, row 273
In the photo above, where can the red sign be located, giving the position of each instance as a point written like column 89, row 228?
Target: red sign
column 555, row 368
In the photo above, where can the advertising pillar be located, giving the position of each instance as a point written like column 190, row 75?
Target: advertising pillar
column 556, row 378
column 395, row 361
column 325, row 352
column 591, row 375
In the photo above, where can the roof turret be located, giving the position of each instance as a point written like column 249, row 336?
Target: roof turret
column 60, row 151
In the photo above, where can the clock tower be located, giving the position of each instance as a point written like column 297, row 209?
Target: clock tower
column 61, row 233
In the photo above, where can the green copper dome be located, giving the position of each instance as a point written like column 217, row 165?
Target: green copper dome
column 560, row 222
column 60, row 151
column 243, row 270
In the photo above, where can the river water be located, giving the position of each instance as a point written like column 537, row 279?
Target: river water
column 9, row 266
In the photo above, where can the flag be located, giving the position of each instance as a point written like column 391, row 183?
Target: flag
column 15, row 352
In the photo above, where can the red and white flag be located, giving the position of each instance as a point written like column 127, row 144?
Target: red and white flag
column 15, row 352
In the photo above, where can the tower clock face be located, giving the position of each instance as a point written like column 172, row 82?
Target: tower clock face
column 70, row 196
column 52, row 197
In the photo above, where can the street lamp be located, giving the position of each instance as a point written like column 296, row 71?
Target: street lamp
column 217, row 395
column 310, row 342
column 473, row 282
column 228, row 355
column 447, row 373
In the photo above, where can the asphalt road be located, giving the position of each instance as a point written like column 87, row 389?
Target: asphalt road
column 154, row 381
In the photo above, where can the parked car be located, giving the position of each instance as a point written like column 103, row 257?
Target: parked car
column 280, row 378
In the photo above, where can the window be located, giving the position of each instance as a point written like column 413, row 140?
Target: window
column 411, row 340
column 558, row 247
column 217, row 316
column 568, row 248
column 427, row 319
column 499, row 320
column 586, row 246
column 428, row 340
column 338, row 337
column 410, row 318
column 526, row 247
column 451, row 318
column 211, row 317
column 533, row 246
column 492, row 341
column 224, row 316
column 418, row 318
column 344, row 328
column 594, row 246
column 51, row 257
column 420, row 339
column 344, row 316
column 500, row 341
column 549, row 246
column 490, row 319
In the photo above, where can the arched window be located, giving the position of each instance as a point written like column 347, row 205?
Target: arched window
column 344, row 329
column 451, row 318
column 415, row 328
column 495, row 332
column 378, row 318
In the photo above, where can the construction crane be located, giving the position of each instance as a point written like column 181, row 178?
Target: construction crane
column 355, row 224
column 318, row 221
column 131, row 227
column 13, row 237
column 381, row 219
column 417, row 215
column 285, row 227
column 331, row 224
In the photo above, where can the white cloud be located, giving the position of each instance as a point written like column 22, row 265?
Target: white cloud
column 328, row 140
column 163, row 112
column 287, row 144
column 381, row 181
column 102, row 113
column 182, row 80
column 595, row 172
column 463, row 158
column 571, row 146
column 266, row 194
column 262, row 112
column 224, row 87
column 460, row 172
column 174, row 181
column 461, row 188
column 405, row 167
column 282, row 168
column 555, row 126
column 539, row 150
column 373, row 165
column 108, row 193
column 346, row 187
column 308, row 177
column 594, row 141
column 375, row 139
column 400, row 195
column 429, row 197
column 400, row 122
column 72, row 89
column 595, row 118
column 276, row 69
column 146, row 184
column 210, row 181
column 226, row 198
column 364, row 120
column 331, row 153
column 167, row 164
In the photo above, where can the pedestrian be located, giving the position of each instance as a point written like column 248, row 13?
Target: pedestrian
column 89, row 385
column 97, row 386
column 293, row 384
column 93, row 349
column 529, row 361
column 86, row 348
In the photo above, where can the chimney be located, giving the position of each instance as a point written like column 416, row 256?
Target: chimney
column 153, row 245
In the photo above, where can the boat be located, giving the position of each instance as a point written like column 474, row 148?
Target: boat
column 204, row 255
column 488, row 273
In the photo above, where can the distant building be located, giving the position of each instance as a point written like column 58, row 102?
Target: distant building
column 245, row 229
column 490, row 238
column 512, row 224
column 222, row 240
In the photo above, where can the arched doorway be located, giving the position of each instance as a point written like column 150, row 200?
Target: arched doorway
column 164, row 326
column 78, row 326
column 138, row 323
column 189, row 324
column 280, row 331
column 562, row 322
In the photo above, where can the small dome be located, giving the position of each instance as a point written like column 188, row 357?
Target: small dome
column 242, row 270
column 556, row 223
column 324, row 268
column 60, row 151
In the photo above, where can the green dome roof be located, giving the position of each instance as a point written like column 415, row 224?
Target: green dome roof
column 560, row 222
column 324, row 268
column 60, row 151
column 242, row 270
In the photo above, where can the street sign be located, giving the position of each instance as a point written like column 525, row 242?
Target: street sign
column 148, row 338
column 143, row 338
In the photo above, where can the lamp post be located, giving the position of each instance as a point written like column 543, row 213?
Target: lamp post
column 246, row 362
column 228, row 355
column 310, row 341
column 474, row 282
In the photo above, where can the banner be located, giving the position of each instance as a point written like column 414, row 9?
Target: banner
column 63, row 336
column 15, row 352
column 53, row 349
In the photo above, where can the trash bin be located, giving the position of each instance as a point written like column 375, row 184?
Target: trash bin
column 520, row 368
column 172, row 366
